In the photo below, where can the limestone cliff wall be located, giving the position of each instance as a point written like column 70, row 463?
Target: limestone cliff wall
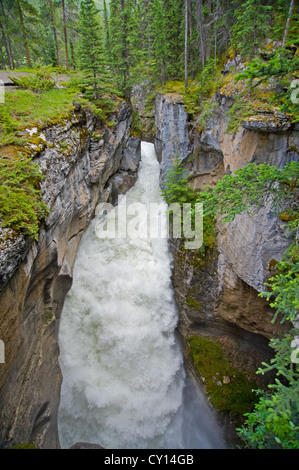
column 171, row 137
column 217, row 294
column 84, row 163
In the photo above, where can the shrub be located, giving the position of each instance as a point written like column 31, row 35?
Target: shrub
column 39, row 81
column 21, row 205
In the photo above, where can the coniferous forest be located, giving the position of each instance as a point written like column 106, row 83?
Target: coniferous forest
column 101, row 50
column 132, row 39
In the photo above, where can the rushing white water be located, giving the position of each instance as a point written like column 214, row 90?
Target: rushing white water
column 124, row 384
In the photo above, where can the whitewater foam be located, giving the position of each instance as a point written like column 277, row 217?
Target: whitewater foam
column 124, row 383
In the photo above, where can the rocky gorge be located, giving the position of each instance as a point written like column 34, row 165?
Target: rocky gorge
column 216, row 294
column 94, row 165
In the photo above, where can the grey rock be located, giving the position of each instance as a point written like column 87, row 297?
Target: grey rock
column 37, row 276
column 278, row 123
column 131, row 155
column 86, row 445
column 251, row 241
column 171, row 139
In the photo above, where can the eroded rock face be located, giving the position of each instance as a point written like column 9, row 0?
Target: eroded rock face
column 78, row 175
column 217, row 293
column 142, row 100
column 252, row 243
column 261, row 139
column 171, row 138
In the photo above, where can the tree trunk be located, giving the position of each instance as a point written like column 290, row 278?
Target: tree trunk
column 125, row 52
column 191, row 42
column 5, row 38
column 24, row 34
column 5, row 45
column 54, row 32
column 186, row 43
column 65, row 35
column 200, row 30
column 286, row 31
column 215, row 27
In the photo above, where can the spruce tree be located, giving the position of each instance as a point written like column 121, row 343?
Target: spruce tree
column 54, row 32
column 107, row 31
column 253, row 22
column 91, row 49
column 160, row 44
column 175, row 37
column 124, row 42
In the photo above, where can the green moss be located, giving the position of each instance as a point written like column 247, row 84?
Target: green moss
column 21, row 205
column 12, row 152
column 293, row 148
column 288, row 215
column 272, row 264
column 198, row 261
column 228, row 388
column 35, row 145
column 193, row 303
column 23, row 446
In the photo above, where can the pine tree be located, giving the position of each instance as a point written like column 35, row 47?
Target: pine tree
column 54, row 32
column 124, row 41
column 25, row 10
column 160, row 44
column 48, row 49
column 65, row 34
column 186, row 42
column 175, row 37
column 251, row 27
column 91, row 49
column 107, row 31
column 72, row 21
column 5, row 37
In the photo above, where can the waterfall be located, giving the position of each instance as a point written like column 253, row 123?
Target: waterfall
column 124, row 384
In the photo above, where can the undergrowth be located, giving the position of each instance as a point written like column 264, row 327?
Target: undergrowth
column 21, row 204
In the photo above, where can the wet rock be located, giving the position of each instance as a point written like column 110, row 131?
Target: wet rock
column 171, row 139
column 37, row 276
column 85, row 445
column 131, row 155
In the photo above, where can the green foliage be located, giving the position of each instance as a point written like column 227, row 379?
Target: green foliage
column 281, row 67
column 274, row 423
column 125, row 49
column 22, row 207
column 7, row 124
column 284, row 286
column 43, row 79
column 251, row 26
column 239, row 111
column 281, row 13
column 25, row 108
column 91, row 50
column 247, row 187
column 275, row 420
column 228, row 388
column 269, row 428
column 160, row 43
column 280, row 64
column 136, row 126
column 175, row 188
